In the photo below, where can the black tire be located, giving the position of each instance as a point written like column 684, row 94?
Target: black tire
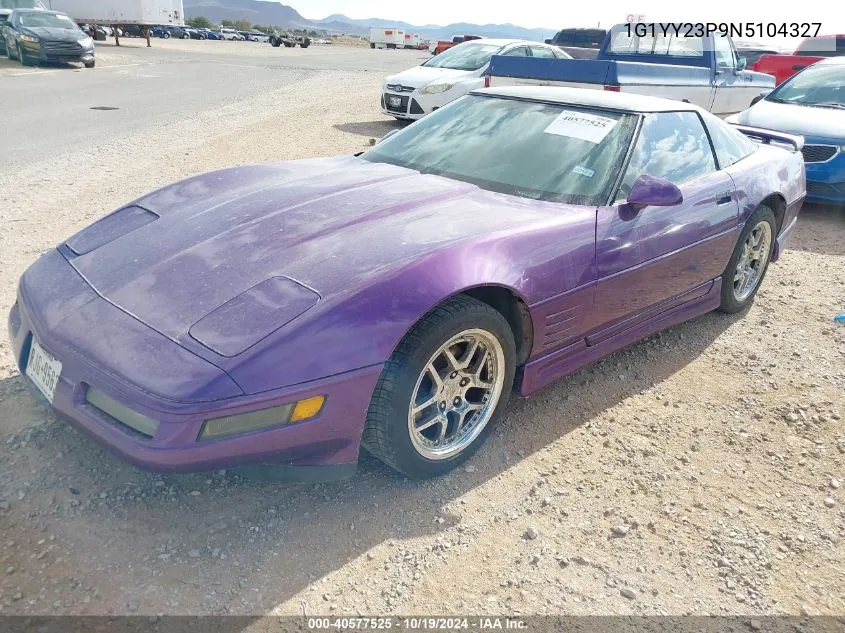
column 91, row 64
column 23, row 57
column 165, row 35
column 186, row 36
column 372, row 45
column 386, row 435
column 730, row 303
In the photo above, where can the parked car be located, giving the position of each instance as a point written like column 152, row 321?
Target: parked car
column 753, row 52
column 489, row 275
column 244, row 35
column 705, row 71
column 136, row 30
column 195, row 34
column 812, row 104
column 231, row 34
column 169, row 31
column 809, row 51
column 420, row 90
column 258, row 36
column 6, row 8
column 444, row 45
column 211, row 35
column 34, row 35
column 579, row 43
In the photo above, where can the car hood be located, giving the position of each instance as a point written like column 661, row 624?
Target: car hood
column 424, row 75
column 807, row 121
column 54, row 34
column 330, row 227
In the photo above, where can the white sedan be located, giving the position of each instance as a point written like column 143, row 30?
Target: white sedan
column 419, row 91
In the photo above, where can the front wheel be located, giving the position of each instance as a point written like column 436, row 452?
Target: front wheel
column 749, row 262
column 90, row 64
column 23, row 57
column 442, row 389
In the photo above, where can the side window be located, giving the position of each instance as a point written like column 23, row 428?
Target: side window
column 731, row 145
column 724, row 52
column 519, row 51
column 671, row 145
column 541, row 51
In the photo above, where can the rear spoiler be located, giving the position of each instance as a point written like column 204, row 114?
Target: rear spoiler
column 771, row 137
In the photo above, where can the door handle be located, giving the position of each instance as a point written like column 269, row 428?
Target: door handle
column 723, row 198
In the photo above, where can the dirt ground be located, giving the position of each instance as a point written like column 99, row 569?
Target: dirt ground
column 699, row 471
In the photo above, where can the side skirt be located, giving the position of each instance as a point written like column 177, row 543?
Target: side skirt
column 539, row 373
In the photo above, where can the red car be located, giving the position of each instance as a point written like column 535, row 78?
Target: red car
column 810, row 51
column 443, row 45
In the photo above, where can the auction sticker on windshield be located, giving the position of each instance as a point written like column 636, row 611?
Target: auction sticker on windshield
column 581, row 125
column 43, row 370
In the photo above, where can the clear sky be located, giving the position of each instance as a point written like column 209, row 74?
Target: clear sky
column 563, row 13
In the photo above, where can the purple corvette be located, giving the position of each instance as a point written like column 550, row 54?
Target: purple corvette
column 291, row 313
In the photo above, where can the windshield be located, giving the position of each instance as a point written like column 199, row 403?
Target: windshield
column 467, row 56
column 815, row 86
column 51, row 20
column 540, row 151
column 21, row 4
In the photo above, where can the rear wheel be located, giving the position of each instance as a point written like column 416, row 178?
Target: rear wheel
column 442, row 389
column 749, row 262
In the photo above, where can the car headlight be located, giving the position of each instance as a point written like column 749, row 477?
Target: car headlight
column 86, row 41
column 29, row 38
column 434, row 89
column 285, row 414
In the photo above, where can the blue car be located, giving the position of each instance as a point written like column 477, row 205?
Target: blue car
column 812, row 104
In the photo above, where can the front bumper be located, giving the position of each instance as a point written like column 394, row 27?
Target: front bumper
column 414, row 105
column 328, row 442
column 826, row 181
column 42, row 53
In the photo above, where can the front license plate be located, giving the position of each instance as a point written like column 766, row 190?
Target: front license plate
column 395, row 101
column 43, row 370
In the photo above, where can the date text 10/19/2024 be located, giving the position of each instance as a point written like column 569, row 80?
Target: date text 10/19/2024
column 420, row 623
column 743, row 30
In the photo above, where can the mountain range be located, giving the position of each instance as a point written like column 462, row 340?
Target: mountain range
column 277, row 14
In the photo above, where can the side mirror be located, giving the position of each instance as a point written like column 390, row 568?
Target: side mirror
column 741, row 64
column 387, row 136
column 648, row 191
column 760, row 96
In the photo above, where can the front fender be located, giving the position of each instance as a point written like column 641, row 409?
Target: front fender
column 362, row 326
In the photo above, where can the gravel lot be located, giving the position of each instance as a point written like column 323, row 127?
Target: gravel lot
column 700, row 471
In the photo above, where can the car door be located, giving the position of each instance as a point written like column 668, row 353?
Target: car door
column 651, row 259
column 733, row 87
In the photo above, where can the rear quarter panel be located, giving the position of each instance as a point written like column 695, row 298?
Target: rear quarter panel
column 769, row 171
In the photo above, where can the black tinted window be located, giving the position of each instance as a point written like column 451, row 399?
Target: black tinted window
column 671, row 145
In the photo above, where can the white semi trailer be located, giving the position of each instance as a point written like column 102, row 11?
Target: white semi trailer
column 122, row 13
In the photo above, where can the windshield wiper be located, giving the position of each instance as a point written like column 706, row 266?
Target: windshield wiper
column 841, row 106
